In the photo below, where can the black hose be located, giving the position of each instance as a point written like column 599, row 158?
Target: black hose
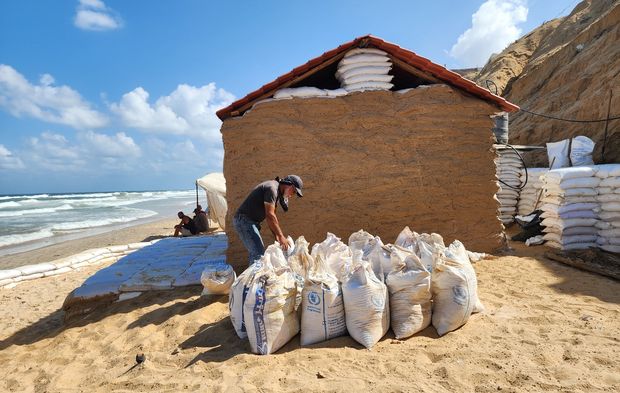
column 524, row 167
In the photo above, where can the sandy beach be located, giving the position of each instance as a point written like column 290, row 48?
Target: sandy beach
column 547, row 327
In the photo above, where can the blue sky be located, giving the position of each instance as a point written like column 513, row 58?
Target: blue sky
column 101, row 95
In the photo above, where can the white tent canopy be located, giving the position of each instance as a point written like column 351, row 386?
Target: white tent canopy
column 214, row 185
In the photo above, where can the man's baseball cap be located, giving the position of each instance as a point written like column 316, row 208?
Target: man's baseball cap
column 295, row 181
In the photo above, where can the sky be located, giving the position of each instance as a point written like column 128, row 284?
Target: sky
column 117, row 95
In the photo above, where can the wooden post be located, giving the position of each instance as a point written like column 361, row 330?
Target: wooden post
column 606, row 127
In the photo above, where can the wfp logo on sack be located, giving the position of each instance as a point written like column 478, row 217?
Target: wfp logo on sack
column 376, row 301
column 314, row 298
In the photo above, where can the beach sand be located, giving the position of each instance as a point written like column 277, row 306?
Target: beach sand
column 144, row 232
column 547, row 327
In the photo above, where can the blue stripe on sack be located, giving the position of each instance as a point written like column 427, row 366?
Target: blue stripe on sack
column 259, row 321
column 245, row 294
column 325, row 321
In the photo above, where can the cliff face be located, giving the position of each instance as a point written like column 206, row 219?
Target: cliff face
column 566, row 68
column 374, row 160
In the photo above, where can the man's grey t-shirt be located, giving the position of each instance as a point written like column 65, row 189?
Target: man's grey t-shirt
column 254, row 204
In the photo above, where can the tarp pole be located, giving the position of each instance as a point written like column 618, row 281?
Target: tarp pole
column 196, row 193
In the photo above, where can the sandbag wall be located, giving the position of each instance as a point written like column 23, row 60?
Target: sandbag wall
column 508, row 172
column 570, row 208
column 609, row 200
column 530, row 196
column 378, row 160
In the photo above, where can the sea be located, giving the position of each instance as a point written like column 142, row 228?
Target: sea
column 28, row 222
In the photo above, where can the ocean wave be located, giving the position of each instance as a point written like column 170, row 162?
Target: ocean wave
column 91, row 195
column 44, row 210
column 6, row 205
column 25, row 237
column 72, row 226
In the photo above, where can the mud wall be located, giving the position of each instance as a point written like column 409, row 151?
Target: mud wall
column 372, row 160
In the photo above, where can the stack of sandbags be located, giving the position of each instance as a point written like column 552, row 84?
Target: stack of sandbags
column 531, row 190
column 508, row 166
column 365, row 69
column 570, row 208
column 609, row 199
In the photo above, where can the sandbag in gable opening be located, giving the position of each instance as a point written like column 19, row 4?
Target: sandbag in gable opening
column 405, row 76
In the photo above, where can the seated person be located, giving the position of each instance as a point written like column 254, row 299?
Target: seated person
column 200, row 219
column 186, row 227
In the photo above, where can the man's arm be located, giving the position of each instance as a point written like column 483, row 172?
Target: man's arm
column 274, row 224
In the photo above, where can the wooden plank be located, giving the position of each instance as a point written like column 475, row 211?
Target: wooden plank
column 591, row 261
column 306, row 74
column 415, row 71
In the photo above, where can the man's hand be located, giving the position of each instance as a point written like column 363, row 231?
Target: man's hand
column 283, row 242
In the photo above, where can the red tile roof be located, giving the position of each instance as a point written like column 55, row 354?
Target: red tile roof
column 424, row 64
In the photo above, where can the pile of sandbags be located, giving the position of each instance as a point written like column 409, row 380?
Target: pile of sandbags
column 531, row 190
column 361, row 289
column 570, row 208
column 365, row 69
column 609, row 200
column 508, row 167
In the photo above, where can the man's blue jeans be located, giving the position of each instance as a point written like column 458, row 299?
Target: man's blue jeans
column 249, row 233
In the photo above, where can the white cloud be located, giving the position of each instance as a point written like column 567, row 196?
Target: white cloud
column 54, row 104
column 8, row 160
column 119, row 145
column 494, row 26
column 91, row 152
column 95, row 15
column 188, row 110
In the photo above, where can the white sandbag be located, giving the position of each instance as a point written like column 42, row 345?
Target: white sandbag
column 269, row 310
column 217, row 279
column 573, row 246
column 299, row 92
column 557, row 153
column 366, row 78
column 336, row 92
column 605, row 190
column 335, row 254
column 568, row 223
column 565, row 239
column 570, row 214
column 611, row 248
column 322, row 307
column 568, row 200
column 558, row 175
column 454, row 289
column 359, row 241
column 581, row 182
column 573, row 231
column 364, row 58
column 569, row 207
column 372, row 51
column 573, row 192
column 361, row 86
column 409, row 286
column 238, row 294
column 366, row 305
column 300, row 260
column 608, row 198
column 611, row 182
column 608, row 233
column 609, row 216
column 606, row 170
column 380, row 68
column 610, row 206
column 581, row 151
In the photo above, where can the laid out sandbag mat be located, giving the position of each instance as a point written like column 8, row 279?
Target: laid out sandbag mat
column 365, row 69
column 530, row 196
column 508, row 166
column 570, row 208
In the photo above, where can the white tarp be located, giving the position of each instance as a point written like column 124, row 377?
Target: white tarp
column 214, row 185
